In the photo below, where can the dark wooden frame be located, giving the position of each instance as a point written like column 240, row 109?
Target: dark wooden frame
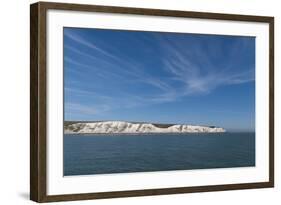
column 38, row 86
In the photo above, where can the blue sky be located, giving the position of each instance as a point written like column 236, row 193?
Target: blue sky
column 159, row 77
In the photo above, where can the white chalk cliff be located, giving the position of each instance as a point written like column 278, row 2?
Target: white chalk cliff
column 119, row 127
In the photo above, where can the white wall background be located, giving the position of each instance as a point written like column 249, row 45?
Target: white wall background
column 14, row 101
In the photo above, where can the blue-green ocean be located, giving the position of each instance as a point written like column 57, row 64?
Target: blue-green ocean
column 104, row 154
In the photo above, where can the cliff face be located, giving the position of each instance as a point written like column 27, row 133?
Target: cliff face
column 116, row 127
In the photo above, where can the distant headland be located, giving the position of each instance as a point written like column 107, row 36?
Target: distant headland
column 122, row 127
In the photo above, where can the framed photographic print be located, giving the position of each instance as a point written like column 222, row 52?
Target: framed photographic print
column 134, row 102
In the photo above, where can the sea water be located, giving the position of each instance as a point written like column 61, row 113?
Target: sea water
column 104, row 154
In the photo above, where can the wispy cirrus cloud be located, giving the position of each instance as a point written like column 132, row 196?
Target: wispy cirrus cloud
column 119, row 66
column 198, row 72
column 89, row 44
